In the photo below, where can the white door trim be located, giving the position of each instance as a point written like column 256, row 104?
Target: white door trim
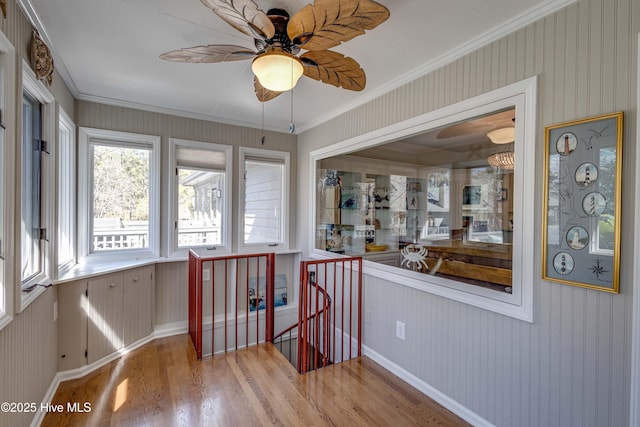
column 634, row 400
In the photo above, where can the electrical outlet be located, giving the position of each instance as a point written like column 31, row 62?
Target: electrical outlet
column 206, row 274
column 400, row 330
column 367, row 317
column 55, row 311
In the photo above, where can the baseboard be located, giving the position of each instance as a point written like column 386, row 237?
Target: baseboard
column 444, row 400
column 171, row 329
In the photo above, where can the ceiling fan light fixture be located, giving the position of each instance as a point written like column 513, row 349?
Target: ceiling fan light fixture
column 503, row 160
column 277, row 71
column 502, row 135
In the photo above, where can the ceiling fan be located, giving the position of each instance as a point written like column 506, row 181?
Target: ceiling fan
column 479, row 125
column 279, row 39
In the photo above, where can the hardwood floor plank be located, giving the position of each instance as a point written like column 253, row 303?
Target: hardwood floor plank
column 162, row 384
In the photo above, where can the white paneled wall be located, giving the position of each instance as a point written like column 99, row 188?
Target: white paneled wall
column 571, row 367
column 28, row 345
column 171, row 296
column 28, row 357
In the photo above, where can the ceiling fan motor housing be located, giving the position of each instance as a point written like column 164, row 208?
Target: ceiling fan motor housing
column 280, row 40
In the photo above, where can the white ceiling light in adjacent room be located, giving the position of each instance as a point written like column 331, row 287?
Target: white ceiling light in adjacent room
column 277, row 71
column 502, row 135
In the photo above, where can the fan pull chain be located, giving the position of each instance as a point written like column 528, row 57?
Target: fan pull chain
column 292, row 126
column 262, row 139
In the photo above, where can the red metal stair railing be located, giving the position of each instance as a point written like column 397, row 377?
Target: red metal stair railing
column 330, row 312
column 232, row 299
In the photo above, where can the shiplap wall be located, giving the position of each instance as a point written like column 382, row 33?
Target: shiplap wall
column 571, row 367
column 28, row 357
column 28, row 345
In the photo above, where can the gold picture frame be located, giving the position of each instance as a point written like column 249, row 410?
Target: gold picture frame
column 582, row 179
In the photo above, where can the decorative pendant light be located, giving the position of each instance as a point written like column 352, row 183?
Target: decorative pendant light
column 502, row 160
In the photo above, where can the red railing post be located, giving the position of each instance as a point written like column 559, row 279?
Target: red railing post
column 195, row 302
column 359, row 306
column 270, row 298
column 192, row 298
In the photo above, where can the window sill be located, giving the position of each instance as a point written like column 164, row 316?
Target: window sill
column 5, row 319
column 92, row 269
column 27, row 298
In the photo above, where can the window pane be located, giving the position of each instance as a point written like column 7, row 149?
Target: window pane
column 121, row 179
column 200, row 207
column 437, row 208
column 263, row 201
column 30, row 189
column 66, row 193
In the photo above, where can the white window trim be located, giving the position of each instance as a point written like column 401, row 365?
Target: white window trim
column 36, row 89
column 85, row 137
column 7, row 162
column 523, row 96
column 66, row 215
column 175, row 143
column 268, row 154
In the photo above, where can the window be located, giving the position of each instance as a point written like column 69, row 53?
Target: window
column 119, row 194
column 200, row 195
column 441, row 207
column 66, row 192
column 32, row 148
column 264, row 199
column 7, row 170
column 36, row 186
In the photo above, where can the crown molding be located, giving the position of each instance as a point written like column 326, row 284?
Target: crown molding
column 482, row 40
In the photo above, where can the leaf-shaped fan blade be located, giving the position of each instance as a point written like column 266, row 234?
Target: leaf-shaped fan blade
column 478, row 125
column 244, row 16
column 209, row 54
column 262, row 92
column 327, row 23
column 334, row 68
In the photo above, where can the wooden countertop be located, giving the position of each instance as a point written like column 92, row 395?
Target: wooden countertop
column 475, row 249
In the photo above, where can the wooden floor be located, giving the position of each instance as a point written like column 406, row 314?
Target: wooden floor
column 162, row 384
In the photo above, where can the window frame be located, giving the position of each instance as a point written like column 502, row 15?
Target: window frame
column 66, row 200
column 172, row 232
column 87, row 137
column 36, row 284
column 245, row 154
column 7, row 133
column 521, row 95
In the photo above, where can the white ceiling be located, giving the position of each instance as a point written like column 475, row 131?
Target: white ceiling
column 107, row 51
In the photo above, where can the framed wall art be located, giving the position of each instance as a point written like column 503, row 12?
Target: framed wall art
column 581, row 230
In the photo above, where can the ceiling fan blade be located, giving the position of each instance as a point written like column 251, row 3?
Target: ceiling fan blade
column 478, row 125
column 327, row 23
column 244, row 16
column 334, row 68
column 262, row 92
column 209, row 54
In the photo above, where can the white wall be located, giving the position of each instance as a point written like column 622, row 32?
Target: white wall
column 571, row 367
